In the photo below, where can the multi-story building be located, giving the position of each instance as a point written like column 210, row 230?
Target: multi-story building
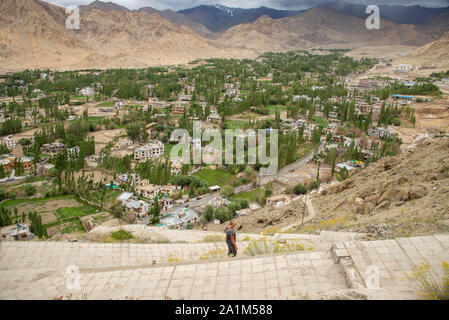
column 9, row 142
column 213, row 117
column 54, row 147
column 149, row 151
column 178, row 109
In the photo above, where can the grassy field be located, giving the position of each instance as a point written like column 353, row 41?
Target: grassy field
column 96, row 120
column 250, row 196
column 236, row 124
column 304, row 150
column 216, row 177
column 106, row 104
column 61, row 211
column 273, row 109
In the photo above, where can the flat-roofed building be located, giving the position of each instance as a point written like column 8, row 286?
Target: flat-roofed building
column 149, row 151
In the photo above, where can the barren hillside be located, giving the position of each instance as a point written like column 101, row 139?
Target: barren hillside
column 406, row 195
column 33, row 35
column 436, row 52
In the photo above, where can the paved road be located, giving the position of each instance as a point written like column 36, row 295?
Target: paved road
column 263, row 179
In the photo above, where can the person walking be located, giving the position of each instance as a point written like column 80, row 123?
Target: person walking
column 231, row 239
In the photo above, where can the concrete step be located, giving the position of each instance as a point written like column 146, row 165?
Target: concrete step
column 370, row 269
column 280, row 276
column 51, row 255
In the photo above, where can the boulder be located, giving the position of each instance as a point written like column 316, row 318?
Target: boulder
column 387, row 195
column 359, row 201
column 364, row 208
column 417, row 192
column 402, row 195
column 384, row 205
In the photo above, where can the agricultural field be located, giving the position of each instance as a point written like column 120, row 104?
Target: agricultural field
column 60, row 214
column 216, row 177
column 236, row 124
column 250, row 196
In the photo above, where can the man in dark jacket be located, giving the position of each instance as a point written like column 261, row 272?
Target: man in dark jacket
column 231, row 239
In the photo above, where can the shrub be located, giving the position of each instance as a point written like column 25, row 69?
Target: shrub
column 223, row 214
column 3, row 195
column 29, row 190
column 234, row 206
column 208, row 214
column 300, row 189
column 214, row 254
column 264, row 246
column 121, row 235
column 227, row 191
column 214, row 238
column 314, row 185
column 428, row 287
column 243, row 203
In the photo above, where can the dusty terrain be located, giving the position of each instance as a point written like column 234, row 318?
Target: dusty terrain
column 406, row 195
column 103, row 137
column 33, row 35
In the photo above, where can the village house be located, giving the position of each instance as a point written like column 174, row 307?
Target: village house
column 9, row 142
column 54, row 147
column 403, row 68
column 166, row 202
column 381, row 132
column 185, row 97
column 176, row 168
column 402, row 98
column 124, row 143
column 19, row 231
column 178, row 109
column 147, row 190
column 180, row 218
column 156, row 103
column 44, row 169
column 333, row 114
column 6, row 164
column 367, row 85
column 106, row 109
column 149, row 151
column 118, row 105
column 88, row 91
column 131, row 205
column 28, row 163
column 213, row 117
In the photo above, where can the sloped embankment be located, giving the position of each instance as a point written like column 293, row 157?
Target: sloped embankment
column 405, row 195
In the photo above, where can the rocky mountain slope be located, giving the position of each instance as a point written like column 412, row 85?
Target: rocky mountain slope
column 319, row 27
column 406, row 195
column 219, row 18
column 33, row 35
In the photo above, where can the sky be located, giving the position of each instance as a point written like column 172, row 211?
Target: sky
column 276, row 4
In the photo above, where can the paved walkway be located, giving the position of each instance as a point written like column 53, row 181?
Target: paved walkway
column 37, row 270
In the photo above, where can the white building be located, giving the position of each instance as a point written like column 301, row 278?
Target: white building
column 403, row 68
column 213, row 117
column 88, row 91
column 180, row 218
column 9, row 142
column 149, row 151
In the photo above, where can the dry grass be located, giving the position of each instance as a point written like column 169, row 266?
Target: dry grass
column 429, row 286
column 264, row 246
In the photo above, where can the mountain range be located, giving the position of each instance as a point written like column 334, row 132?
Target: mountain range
column 33, row 33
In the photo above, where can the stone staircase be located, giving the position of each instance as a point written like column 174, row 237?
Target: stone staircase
column 341, row 267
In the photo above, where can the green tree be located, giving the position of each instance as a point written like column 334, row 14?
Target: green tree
column 227, row 191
